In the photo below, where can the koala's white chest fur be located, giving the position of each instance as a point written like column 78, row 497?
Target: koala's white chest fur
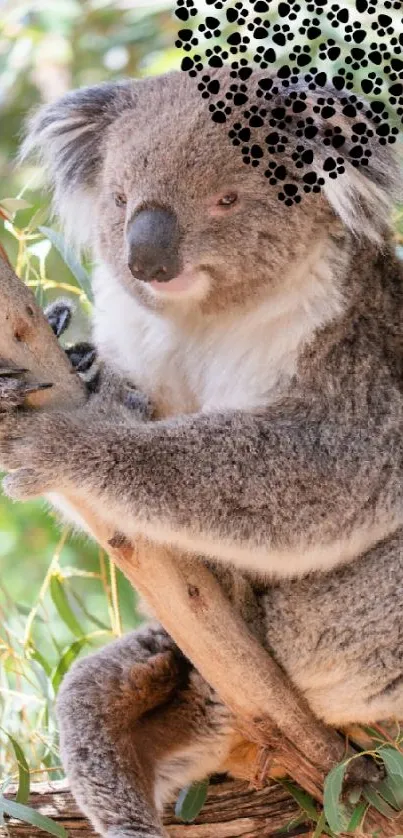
column 226, row 362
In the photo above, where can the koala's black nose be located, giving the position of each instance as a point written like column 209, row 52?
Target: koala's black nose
column 153, row 239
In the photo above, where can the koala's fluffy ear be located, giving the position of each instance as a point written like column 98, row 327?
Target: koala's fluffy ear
column 68, row 138
column 363, row 197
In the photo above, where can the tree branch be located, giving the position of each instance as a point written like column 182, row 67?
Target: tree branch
column 232, row 810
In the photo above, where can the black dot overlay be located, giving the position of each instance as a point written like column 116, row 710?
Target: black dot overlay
column 342, row 88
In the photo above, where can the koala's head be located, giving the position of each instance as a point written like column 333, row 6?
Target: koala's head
column 144, row 176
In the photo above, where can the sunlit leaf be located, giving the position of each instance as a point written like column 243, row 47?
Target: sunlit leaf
column 38, row 218
column 28, row 815
column 12, row 205
column 23, row 771
column 79, row 273
column 62, row 604
column 67, row 660
column 191, row 801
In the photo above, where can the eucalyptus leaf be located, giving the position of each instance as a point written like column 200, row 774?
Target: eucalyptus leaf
column 38, row 218
column 393, row 760
column 12, row 205
column 63, row 606
column 67, row 659
column 379, row 803
column 191, row 800
column 334, row 810
column 319, row 826
column 392, row 790
column 79, row 273
column 357, row 816
column 303, row 799
column 28, row 815
column 23, row 771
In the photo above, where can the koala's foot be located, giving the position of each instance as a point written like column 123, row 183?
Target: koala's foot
column 137, row 723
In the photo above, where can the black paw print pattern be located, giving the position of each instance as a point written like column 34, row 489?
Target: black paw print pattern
column 345, row 43
column 185, row 10
column 220, row 111
column 264, row 56
column 237, row 94
column 237, row 14
column 208, row 87
column 241, row 69
column 210, row 28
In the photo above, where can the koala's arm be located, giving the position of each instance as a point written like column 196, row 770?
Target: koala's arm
column 275, row 493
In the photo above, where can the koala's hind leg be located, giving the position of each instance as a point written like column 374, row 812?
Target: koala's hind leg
column 137, row 723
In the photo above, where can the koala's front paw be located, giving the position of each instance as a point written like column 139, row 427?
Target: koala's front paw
column 34, row 446
column 108, row 388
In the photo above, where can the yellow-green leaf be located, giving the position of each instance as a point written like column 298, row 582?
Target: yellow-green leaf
column 28, row 815
column 63, row 606
column 23, row 772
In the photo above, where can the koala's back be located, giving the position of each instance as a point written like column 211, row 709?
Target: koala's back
column 340, row 636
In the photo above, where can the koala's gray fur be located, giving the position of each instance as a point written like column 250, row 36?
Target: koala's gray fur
column 275, row 446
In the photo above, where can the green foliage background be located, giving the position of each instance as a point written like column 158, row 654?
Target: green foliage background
column 46, row 48
column 58, row 595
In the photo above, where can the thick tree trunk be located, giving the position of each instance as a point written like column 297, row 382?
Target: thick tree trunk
column 187, row 599
column 232, row 810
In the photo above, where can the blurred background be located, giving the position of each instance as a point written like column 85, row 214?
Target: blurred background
column 59, row 597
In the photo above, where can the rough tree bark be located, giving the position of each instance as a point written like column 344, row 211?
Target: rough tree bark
column 186, row 598
column 232, row 810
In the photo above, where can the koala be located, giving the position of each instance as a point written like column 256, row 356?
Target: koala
column 267, row 343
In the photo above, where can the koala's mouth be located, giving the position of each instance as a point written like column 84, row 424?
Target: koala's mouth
column 184, row 282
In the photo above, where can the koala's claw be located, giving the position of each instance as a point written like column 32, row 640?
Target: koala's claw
column 7, row 371
column 82, row 356
column 14, row 391
column 58, row 315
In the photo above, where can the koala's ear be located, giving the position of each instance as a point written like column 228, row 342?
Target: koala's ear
column 68, row 138
column 363, row 196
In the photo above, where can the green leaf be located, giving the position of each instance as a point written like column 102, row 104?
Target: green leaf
column 334, row 810
column 23, row 772
column 392, row 790
column 12, row 205
column 379, row 803
column 63, row 607
column 291, row 824
column 303, row 799
column 357, row 816
column 393, row 760
column 67, row 660
column 28, row 815
column 25, row 611
column 38, row 217
column 78, row 601
column 79, row 273
column 191, row 800
column 319, row 826
column 36, row 655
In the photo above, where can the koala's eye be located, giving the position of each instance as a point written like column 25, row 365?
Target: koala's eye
column 120, row 199
column 228, row 200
